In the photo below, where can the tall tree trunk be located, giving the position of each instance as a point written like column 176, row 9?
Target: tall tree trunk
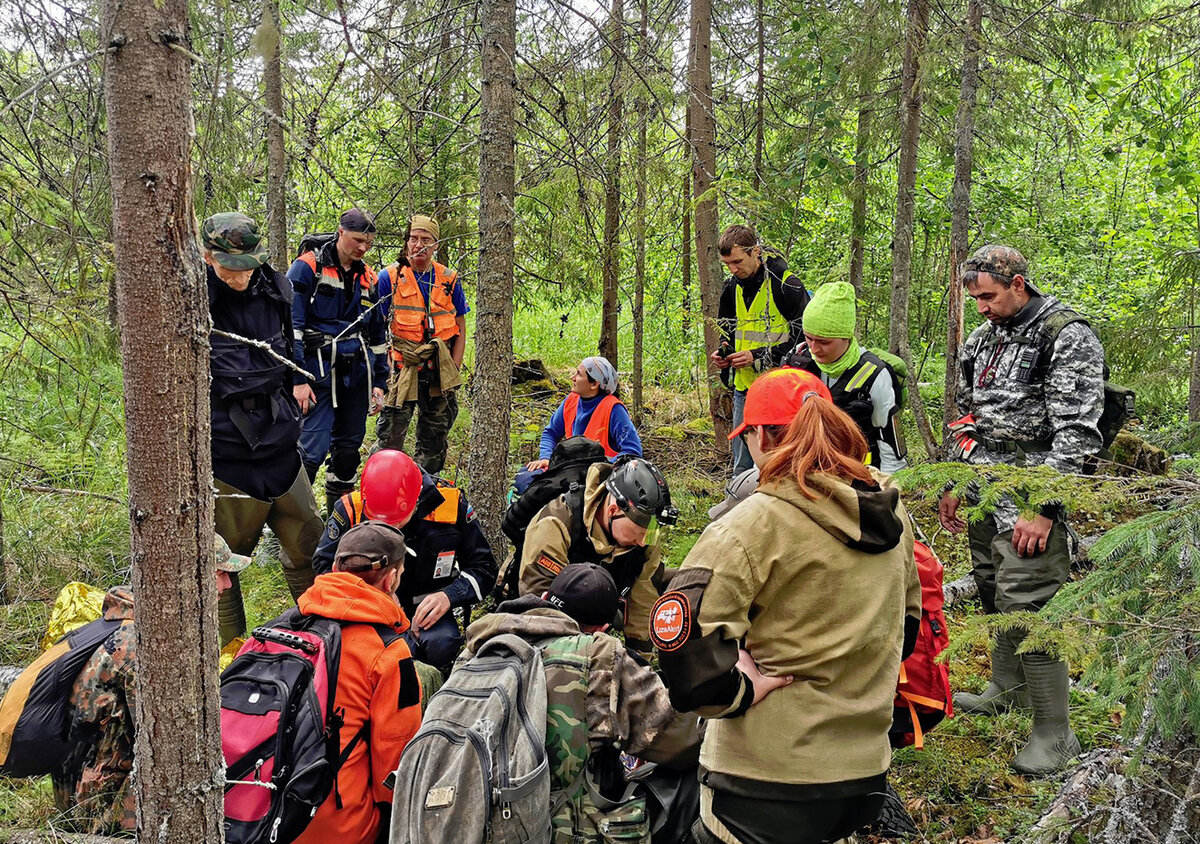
column 639, row 236
column 906, row 178
column 272, row 44
column 1194, row 380
column 759, row 94
column 686, row 249
column 960, row 209
column 610, row 262
column 163, row 310
column 702, row 138
column 867, row 78
column 491, row 385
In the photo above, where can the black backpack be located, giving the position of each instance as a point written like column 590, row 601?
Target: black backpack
column 36, row 712
column 568, row 467
column 1119, row 401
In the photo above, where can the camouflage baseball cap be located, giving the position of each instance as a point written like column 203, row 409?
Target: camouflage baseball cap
column 225, row 559
column 997, row 260
column 234, row 241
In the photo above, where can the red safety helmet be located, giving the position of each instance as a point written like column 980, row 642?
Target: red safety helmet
column 391, row 484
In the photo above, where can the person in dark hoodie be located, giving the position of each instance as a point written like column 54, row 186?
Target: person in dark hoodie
column 452, row 563
column 378, row 693
column 612, row 702
column 786, row 626
column 760, row 323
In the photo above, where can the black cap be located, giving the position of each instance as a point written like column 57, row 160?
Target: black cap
column 370, row 545
column 586, row 592
column 357, row 220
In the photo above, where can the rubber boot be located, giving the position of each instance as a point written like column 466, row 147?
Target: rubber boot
column 231, row 616
column 1007, row 687
column 1052, row 744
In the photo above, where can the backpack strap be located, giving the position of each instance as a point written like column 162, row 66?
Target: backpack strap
column 581, row 549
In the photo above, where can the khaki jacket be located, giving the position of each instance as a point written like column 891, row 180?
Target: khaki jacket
column 548, row 545
column 818, row 590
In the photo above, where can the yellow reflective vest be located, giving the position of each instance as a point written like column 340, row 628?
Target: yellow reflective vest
column 761, row 324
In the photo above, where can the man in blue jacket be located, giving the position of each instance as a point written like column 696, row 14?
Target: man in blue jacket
column 341, row 340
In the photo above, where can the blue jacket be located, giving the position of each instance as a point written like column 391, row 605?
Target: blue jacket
column 622, row 436
column 328, row 305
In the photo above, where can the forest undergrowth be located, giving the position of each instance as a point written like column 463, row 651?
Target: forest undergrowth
column 64, row 519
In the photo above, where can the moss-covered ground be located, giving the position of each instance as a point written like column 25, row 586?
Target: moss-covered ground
column 958, row 788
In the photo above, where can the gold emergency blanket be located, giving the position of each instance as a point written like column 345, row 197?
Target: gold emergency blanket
column 76, row 605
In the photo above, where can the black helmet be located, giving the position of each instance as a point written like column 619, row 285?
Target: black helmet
column 640, row 490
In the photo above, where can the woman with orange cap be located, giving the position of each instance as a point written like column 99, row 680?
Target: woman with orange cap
column 786, row 626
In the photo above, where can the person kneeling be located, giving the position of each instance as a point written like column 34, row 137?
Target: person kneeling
column 377, row 688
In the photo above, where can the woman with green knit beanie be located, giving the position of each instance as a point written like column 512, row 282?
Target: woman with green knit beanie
column 862, row 384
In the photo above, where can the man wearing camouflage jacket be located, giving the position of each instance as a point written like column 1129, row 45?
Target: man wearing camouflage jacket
column 1024, row 403
column 600, row 701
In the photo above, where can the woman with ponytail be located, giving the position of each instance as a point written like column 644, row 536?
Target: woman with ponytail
column 786, row 627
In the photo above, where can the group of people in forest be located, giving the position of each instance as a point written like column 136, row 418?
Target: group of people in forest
column 778, row 640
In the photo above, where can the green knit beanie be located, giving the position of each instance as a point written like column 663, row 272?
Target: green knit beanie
column 831, row 312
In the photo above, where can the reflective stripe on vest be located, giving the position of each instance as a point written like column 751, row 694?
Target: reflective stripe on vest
column 410, row 312
column 330, row 277
column 597, row 425
column 860, row 377
column 758, row 326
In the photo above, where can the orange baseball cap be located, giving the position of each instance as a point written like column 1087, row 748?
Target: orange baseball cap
column 774, row 398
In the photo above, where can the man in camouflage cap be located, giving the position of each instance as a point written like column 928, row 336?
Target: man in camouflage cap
column 1031, row 393
column 587, row 673
column 93, row 786
column 257, row 469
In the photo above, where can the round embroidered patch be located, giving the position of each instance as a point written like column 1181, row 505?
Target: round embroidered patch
column 670, row 622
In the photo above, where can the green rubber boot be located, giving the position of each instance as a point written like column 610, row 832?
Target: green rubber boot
column 1007, row 687
column 1052, row 744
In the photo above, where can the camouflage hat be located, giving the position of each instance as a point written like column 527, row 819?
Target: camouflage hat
column 234, row 241
column 226, row 560
column 997, row 260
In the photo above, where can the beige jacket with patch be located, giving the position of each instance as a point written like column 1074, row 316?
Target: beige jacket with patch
column 548, row 546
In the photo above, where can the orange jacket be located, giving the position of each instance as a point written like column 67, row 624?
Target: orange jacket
column 377, row 684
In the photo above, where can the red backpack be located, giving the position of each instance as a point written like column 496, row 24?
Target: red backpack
column 923, row 693
column 280, row 733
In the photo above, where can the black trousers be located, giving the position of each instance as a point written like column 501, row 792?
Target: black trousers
column 753, row 820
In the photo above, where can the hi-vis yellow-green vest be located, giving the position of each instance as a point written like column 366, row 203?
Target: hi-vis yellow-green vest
column 758, row 325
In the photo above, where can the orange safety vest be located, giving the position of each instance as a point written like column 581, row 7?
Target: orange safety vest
column 597, row 426
column 445, row 513
column 412, row 315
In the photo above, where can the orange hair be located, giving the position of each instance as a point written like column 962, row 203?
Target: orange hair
column 820, row 438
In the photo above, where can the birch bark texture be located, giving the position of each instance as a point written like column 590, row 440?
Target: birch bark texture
column 163, row 315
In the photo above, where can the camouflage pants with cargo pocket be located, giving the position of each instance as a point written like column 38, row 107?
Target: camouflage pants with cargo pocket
column 435, row 418
column 1011, row 583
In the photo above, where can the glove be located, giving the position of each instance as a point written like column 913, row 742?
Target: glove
column 860, row 412
column 964, row 443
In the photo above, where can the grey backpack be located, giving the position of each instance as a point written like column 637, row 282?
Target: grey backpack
column 477, row 771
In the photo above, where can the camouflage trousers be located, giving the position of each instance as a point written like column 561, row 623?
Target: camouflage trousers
column 435, row 417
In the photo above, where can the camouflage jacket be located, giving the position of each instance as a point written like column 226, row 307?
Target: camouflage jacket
column 93, row 787
column 627, row 709
column 1060, row 411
